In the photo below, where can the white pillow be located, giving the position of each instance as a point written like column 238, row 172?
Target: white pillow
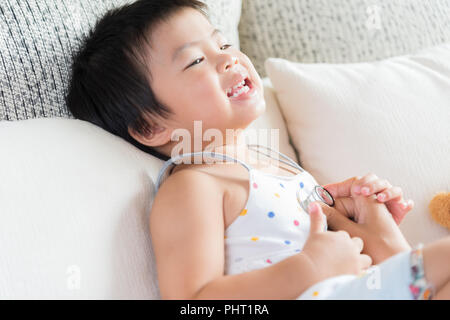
column 74, row 202
column 390, row 117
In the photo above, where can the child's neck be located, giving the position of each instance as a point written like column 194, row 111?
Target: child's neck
column 242, row 152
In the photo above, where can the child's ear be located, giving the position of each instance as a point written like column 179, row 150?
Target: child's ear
column 154, row 136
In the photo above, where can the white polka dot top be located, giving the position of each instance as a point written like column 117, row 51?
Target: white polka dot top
column 273, row 225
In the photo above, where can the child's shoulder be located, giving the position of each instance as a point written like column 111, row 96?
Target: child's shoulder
column 190, row 186
column 193, row 175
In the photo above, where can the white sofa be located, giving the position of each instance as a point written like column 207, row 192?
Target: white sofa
column 74, row 199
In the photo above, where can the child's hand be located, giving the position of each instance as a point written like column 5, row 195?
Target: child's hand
column 332, row 253
column 370, row 185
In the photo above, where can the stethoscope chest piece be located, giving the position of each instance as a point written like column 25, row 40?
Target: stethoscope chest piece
column 318, row 193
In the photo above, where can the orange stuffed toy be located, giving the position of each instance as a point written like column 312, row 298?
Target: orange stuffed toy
column 440, row 208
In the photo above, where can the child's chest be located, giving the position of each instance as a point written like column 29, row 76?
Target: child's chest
column 268, row 188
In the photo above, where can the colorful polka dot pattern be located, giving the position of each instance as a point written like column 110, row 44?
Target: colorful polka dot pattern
column 272, row 205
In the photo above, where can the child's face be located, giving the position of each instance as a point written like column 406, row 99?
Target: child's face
column 199, row 91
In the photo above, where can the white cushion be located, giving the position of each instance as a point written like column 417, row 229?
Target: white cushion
column 389, row 117
column 337, row 31
column 74, row 205
column 74, row 201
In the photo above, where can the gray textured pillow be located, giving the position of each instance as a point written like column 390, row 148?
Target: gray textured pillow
column 37, row 39
column 337, row 31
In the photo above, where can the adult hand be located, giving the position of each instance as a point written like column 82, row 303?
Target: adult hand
column 368, row 218
column 369, row 185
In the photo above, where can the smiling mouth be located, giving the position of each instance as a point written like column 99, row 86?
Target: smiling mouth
column 242, row 88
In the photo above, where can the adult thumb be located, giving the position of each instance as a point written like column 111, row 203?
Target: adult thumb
column 316, row 217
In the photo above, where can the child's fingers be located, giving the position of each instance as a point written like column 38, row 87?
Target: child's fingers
column 405, row 205
column 397, row 210
column 409, row 205
column 392, row 193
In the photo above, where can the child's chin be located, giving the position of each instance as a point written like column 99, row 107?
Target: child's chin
column 252, row 113
column 258, row 107
column 261, row 106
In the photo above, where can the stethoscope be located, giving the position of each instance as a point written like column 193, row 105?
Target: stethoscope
column 318, row 193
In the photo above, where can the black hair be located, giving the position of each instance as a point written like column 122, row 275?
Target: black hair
column 110, row 83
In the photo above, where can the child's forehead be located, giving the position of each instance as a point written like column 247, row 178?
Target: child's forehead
column 181, row 23
column 187, row 26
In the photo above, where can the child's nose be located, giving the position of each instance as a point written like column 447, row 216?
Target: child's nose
column 230, row 62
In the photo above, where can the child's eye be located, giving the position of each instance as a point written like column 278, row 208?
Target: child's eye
column 196, row 61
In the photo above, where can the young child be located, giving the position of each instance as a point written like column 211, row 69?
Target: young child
column 235, row 230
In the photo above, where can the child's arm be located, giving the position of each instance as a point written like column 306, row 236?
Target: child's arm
column 187, row 230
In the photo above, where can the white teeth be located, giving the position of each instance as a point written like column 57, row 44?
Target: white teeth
column 239, row 84
column 244, row 89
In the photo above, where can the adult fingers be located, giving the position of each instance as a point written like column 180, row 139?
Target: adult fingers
column 359, row 184
column 349, row 187
column 338, row 220
column 341, row 189
column 392, row 193
column 345, row 206
column 375, row 186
